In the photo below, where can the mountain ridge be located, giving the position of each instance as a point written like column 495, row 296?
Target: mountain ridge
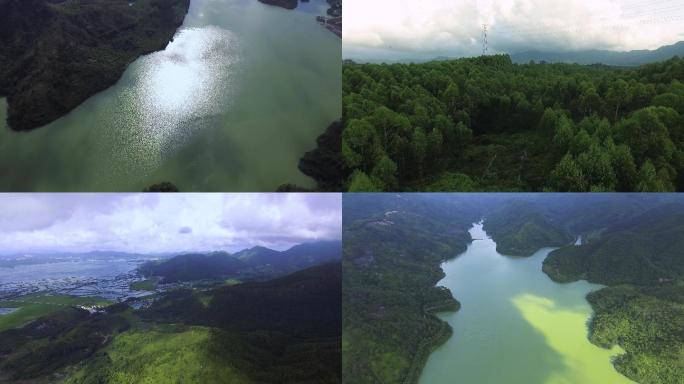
column 251, row 262
column 606, row 57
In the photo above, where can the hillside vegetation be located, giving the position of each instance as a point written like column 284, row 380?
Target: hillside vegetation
column 285, row 330
column 520, row 230
column 487, row 124
column 393, row 249
column 394, row 245
column 642, row 310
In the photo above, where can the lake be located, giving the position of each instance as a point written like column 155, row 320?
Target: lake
column 231, row 104
column 516, row 326
column 108, row 278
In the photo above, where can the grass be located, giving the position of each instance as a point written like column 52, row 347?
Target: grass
column 36, row 305
column 145, row 285
column 163, row 354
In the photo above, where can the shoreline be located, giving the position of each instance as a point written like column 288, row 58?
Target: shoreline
column 91, row 59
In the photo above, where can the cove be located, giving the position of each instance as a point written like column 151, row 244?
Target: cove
column 232, row 103
column 515, row 325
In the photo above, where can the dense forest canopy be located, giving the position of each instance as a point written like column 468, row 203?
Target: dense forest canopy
column 392, row 253
column 488, row 124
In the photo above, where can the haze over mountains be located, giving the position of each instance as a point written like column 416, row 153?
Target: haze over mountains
column 583, row 57
column 255, row 261
column 594, row 56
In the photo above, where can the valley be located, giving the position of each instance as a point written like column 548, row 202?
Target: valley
column 429, row 297
column 507, row 303
column 107, row 326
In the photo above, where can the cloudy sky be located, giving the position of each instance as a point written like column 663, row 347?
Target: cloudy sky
column 151, row 223
column 378, row 30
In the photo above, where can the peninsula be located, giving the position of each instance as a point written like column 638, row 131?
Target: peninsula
column 57, row 53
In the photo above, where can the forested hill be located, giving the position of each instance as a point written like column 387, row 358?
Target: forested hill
column 256, row 262
column 631, row 58
column 520, row 229
column 642, row 310
column 285, row 330
column 56, row 53
column 488, row 124
column 646, row 252
column 521, row 224
column 392, row 251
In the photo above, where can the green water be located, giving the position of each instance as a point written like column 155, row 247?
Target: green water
column 516, row 326
column 230, row 105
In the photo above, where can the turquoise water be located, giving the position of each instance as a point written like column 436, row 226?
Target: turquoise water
column 231, row 104
column 516, row 326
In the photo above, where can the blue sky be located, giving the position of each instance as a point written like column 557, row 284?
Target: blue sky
column 151, row 223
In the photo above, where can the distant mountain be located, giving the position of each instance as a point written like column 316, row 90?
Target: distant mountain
column 631, row 58
column 300, row 256
column 320, row 252
column 258, row 256
column 14, row 260
column 252, row 262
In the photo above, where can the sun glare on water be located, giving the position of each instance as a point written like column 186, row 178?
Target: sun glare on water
column 187, row 81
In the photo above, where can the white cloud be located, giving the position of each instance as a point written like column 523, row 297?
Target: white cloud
column 146, row 223
column 405, row 29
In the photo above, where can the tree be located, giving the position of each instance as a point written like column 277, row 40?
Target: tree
column 617, row 96
column 564, row 135
column 548, row 121
column 452, row 98
column 581, row 142
column 385, row 174
column 567, row 177
column 589, row 100
column 597, row 169
column 648, row 180
column 360, row 182
column 420, row 145
column 389, row 124
column 421, row 117
column 434, row 148
column 670, row 100
column 625, row 169
column 360, row 146
column 646, row 135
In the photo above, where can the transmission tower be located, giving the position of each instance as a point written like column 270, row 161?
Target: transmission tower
column 484, row 39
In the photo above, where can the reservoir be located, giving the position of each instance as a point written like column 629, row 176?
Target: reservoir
column 516, row 325
column 232, row 103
